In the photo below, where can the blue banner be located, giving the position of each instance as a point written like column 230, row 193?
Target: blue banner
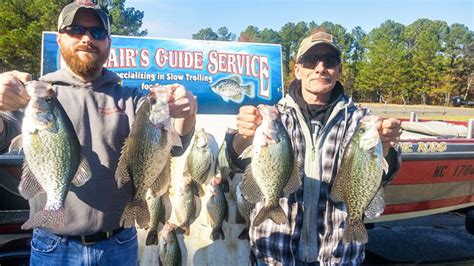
column 223, row 75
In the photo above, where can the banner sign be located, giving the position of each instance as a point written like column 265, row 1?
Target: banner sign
column 223, row 75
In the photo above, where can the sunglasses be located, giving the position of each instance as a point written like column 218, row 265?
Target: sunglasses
column 311, row 61
column 97, row 33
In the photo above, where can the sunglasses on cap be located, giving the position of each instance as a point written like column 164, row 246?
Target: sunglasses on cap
column 97, row 33
column 311, row 61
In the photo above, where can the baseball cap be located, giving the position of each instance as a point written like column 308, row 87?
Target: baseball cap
column 320, row 37
column 66, row 17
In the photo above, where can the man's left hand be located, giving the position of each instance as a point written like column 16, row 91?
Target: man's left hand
column 181, row 102
column 182, row 106
column 389, row 131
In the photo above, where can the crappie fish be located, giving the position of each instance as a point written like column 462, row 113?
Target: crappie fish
column 53, row 158
column 168, row 250
column 185, row 209
column 273, row 171
column 244, row 208
column 216, row 209
column 359, row 177
column 146, row 156
column 199, row 160
column 223, row 170
column 231, row 89
column 157, row 215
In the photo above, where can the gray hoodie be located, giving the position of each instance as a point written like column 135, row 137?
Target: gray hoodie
column 102, row 113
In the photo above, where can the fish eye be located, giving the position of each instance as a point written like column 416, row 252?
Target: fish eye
column 362, row 130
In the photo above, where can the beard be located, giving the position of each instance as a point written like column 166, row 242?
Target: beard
column 88, row 64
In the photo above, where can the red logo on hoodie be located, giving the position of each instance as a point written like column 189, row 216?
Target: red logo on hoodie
column 110, row 110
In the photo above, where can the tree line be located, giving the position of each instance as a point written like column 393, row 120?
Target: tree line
column 425, row 62
column 23, row 21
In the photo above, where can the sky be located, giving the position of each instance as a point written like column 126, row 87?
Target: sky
column 182, row 18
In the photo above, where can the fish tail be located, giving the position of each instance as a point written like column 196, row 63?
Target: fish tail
column 128, row 216
column 248, row 89
column 135, row 209
column 152, row 238
column 46, row 218
column 274, row 212
column 355, row 231
column 217, row 233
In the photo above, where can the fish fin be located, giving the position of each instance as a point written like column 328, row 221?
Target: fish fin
column 244, row 235
column 186, row 172
column 46, row 218
column 236, row 78
column 217, row 233
column 83, row 174
column 384, row 165
column 337, row 194
column 247, row 153
column 28, row 186
column 376, row 206
column 209, row 219
column 355, row 231
column 249, row 187
column 122, row 173
column 162, row 182
column 275, row 213
column 16, row 145
column 295, row 180
column 248, row 90
column 238, row 97
column 142, row 213
column 226, row 99
column 151, row 238
column 128, row 216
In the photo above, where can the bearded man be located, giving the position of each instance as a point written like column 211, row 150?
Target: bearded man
column 102, row 112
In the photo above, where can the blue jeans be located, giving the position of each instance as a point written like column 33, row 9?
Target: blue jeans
column 49, row 249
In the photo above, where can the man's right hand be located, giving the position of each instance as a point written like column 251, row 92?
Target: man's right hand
column 248, row 120
column 13, row 95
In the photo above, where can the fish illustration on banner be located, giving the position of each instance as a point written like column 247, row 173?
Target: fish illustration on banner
column 232, row 89
column 223, row 75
